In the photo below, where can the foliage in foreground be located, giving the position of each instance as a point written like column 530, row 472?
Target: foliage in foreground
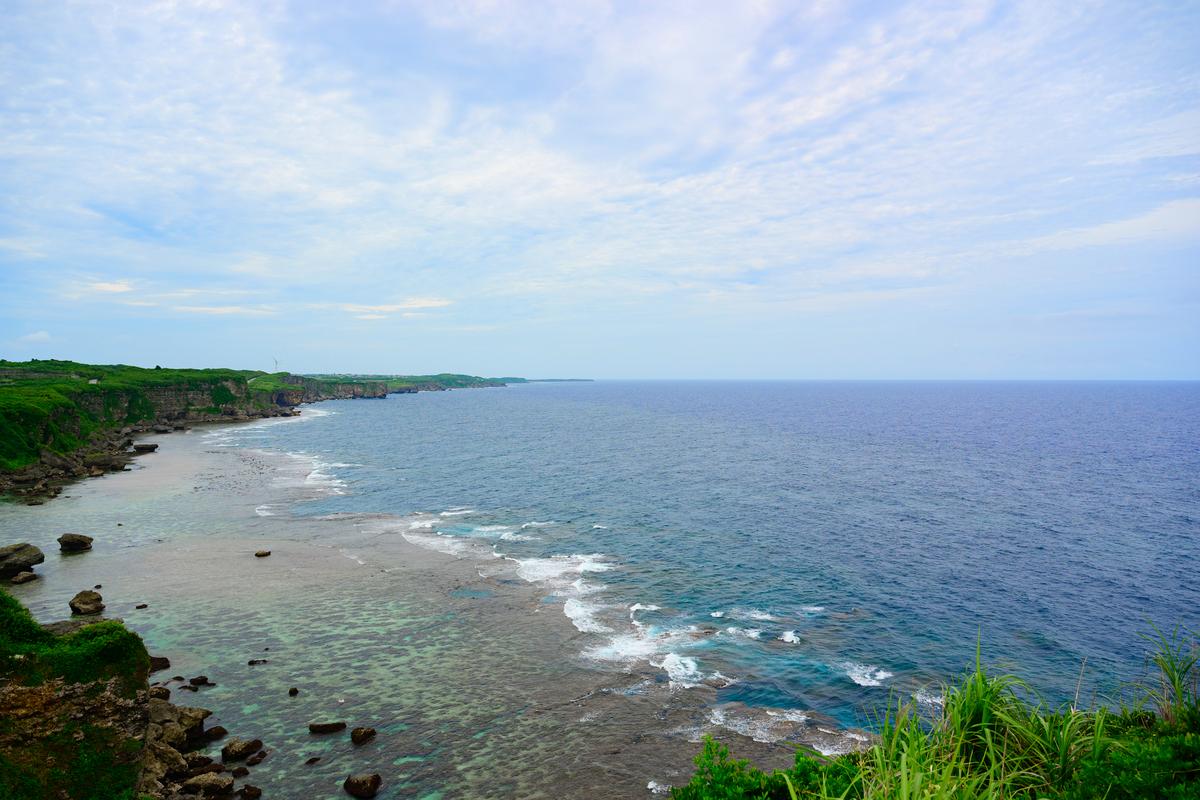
column 990, row 742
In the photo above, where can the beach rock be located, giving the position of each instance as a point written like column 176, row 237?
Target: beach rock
column 249, row 792
column 240, row 749
column 144, row 447
column 254, row 662
column 215, row 732
column 362, row 735
column 20, row 557
column 207, row 768
column 158, row 663
column 74, row 543
column 24, row 577
column 326, row 727
column 262, row 553
column 209, row 784
column 187, row 687
column 87, row 603
column 160, row 692
column 197, row 760
column 257, row 758
column 162, row 428
column 201, row 680
column 239, row 772
column 363, row 785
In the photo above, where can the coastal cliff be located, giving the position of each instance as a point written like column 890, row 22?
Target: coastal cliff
column 62, row 420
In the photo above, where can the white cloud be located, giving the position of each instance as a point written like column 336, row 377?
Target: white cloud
column 109, row 287
column 34, row 338
column 225, row 310
column 1178, row 220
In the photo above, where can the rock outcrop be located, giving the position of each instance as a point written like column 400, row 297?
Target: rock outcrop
column 74, row 543
column 87, row 603
column 22, row 557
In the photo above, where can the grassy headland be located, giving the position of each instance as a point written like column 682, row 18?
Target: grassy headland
column 993, row 738
column 61, row 407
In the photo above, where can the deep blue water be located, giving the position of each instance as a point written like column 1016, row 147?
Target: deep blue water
column 824, row 544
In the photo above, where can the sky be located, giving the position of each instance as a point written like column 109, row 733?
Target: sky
column 752, row 189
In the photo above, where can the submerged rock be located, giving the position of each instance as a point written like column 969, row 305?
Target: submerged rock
column 249, row 792
column 326, row 727
column 362, row 735
column 24, row 577
column 257, row 758
column 363, row 785
column 74, row 543
column 20, row 557
column 87, row 603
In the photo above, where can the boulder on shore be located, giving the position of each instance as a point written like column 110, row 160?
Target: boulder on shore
column 74, row 543
column 363, row 785
column 23, row 577
column 86, row 603
column 158, row 663
column 209, row 784
column 20, row 557
column 144, row 447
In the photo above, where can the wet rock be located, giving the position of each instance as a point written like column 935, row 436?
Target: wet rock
column 160, row 692
column 87, row 603
column 363, row 785
column 257, row 758
column 159, row 663
column 312, row 761
column 362, row 735
column 239, row 772
column 240, row 749
column 201, row 680
column 249, row 792
column 326, row 727
column 140, row 606
column 292, row 692
column 187, row 687
column 209, row 784
column 16, row 558
column 254, row 662
column 207, row 768
column 162, row 428
column 262, row 553
column 97, row 586
column 24, row 577
column 215, row 732
column 74, row 543
column 144, row 447
column 197, row 760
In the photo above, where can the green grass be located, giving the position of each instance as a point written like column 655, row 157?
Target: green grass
column 81, row 760
column 995, row 739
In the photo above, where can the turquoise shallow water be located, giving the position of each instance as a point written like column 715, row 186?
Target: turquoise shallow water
column 553, row 590
column 819, row 544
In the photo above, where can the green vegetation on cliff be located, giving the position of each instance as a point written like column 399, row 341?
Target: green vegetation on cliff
column 63, row 682
column 57, row 406
column 991, row 740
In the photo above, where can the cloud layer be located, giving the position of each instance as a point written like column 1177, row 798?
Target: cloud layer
column 386, row 186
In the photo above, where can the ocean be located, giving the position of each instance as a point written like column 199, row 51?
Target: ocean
column 771, row 561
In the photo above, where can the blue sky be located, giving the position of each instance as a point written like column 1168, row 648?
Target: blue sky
column 699, row 189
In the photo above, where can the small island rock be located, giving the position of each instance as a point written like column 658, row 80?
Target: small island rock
column 86, row 603
column 240, row 749
column 262, row 553
column 363, row 785
column 74, row 543
column 362, row 735
column 326, row 727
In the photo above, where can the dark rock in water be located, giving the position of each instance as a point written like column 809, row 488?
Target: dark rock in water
column 361, row 735
column 262, row 553
column 239, row 772
column 215, row 732
column 240, row 749
column 158, row 663
column 256, row 759
column 16, row 558
column 209, row 785
column 254, row 662
column 24, row 577
column 174, row 677
column 363, row 785
column 197, row 760
column 97, row 586
column 161, row 692
column 292, row 692
column 312, row 761
column 189, row 688
column 207, row 768
column 74, row 543
column 140, row 606
column 201, row 680
column 326, row 727
column 87, row 603
column 249, row 792
column 144, row 447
